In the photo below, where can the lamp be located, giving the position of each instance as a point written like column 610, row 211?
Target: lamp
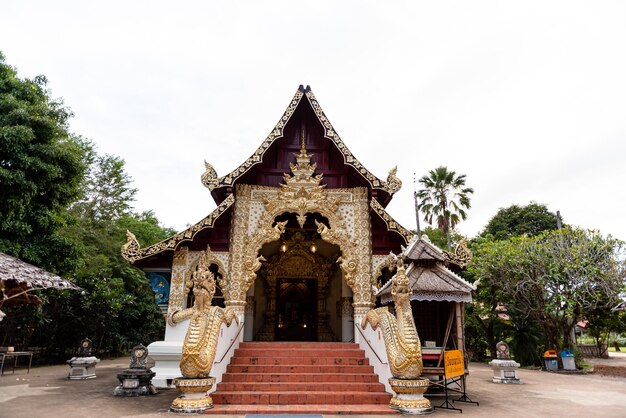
column 313, row 248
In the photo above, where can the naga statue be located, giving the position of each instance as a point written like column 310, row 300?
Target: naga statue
column 402, row 344
column 201, row 340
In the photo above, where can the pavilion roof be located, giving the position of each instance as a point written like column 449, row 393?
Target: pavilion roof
column 12, row 268
column 434, row 282
column 429, row 276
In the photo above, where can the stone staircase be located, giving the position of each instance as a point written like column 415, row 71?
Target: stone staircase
column 300, row 377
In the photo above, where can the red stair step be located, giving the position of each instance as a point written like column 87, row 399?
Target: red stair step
column 364, row 409
column 300, row 398
column 329, row 378
column 288, row 360
column 294, row 344
column 298, row 352
column 299, row 386
column 272, row 368
column 300, row 377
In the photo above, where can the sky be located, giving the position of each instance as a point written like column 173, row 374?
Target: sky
column 527, row 99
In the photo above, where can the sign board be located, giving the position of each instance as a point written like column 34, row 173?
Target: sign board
column 453, row 362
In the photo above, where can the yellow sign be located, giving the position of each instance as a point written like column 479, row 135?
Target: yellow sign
column 453, row 361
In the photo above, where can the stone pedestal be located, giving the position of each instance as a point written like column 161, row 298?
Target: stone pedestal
column 505, row 371
column 409, row 398
column 135, row 382
column 82, row 368
column 137, row 379
column 194, row 395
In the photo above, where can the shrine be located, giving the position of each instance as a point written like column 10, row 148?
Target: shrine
column 299, row 245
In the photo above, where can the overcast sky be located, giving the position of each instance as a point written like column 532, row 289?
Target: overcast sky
column 528, row 99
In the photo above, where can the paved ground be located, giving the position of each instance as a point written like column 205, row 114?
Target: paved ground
column 46, row 393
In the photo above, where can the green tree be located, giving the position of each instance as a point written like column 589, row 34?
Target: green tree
column 439, row 238
column 107, row 191
column 602, row 322
column 117, row 306
column 516, row 220
column 146, row 228
column 553, row 279
column 444, row 197
column 41, row 167
column 490, row 265
column 66, row 208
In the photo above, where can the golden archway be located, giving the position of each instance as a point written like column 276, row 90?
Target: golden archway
column 255, row 224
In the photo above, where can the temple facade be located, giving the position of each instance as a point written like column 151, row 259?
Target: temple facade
column 299, row 244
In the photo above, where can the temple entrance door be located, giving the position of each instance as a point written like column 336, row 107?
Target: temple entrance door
column 296, row 306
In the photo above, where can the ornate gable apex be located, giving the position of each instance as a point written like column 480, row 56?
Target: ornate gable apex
column 420, row 248
column 220, row 187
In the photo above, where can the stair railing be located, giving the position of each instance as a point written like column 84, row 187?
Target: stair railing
column 219, row 366
column 377, row 358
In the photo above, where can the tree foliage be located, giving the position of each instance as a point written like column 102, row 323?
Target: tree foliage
column 530, row 220
column 553, row 279
column 107, row 192
column 444, row 198
column 67, row 209
column 41, row 168
column 439, row 238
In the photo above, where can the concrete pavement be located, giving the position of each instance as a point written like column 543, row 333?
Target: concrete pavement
column 45, row 392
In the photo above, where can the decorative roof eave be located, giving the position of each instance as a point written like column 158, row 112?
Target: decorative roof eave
column 393, row 183
column 392, row 224
column 461, row 255
column 132, row 252
column 212, row 181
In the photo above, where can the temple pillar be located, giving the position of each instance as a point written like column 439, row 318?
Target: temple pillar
column 363, row 297
column 236, row 289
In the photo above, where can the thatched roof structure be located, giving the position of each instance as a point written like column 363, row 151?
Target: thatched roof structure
column 18, row 277
column 429, row 275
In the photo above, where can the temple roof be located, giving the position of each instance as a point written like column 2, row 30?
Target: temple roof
column 132, row 251
column 220, row 187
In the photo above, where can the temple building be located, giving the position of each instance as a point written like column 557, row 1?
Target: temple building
column 302, row 247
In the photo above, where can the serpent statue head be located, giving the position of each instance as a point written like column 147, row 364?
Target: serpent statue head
column 400, row 289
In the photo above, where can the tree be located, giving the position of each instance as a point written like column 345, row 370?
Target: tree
column 41, row 167
column 515, row 220
column 117, row 306
column 490, row 265
column 107, row 191
column 66, row 208
column 444, row 197
column 553, row 279
column 439, row 238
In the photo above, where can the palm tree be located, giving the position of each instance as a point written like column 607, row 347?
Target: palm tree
column 444, row 197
